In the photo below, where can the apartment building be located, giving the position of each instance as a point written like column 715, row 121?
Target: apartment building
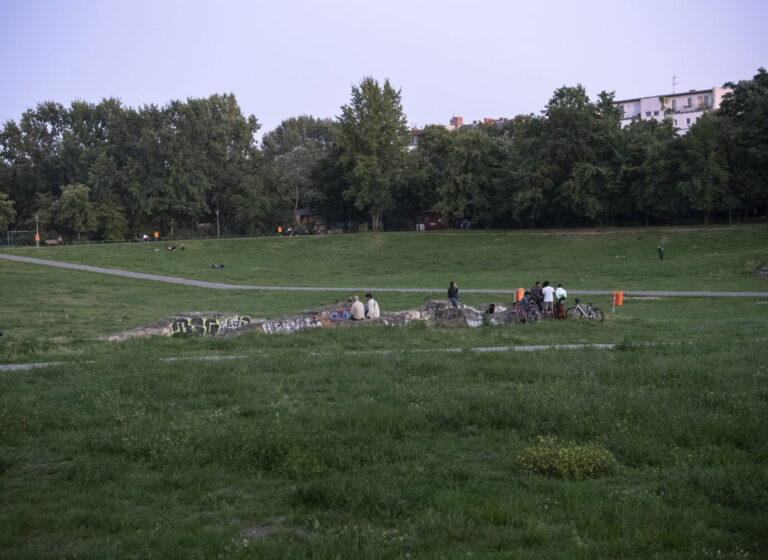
column 683, row 108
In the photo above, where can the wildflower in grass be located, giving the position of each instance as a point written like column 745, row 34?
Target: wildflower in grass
column 566, row 459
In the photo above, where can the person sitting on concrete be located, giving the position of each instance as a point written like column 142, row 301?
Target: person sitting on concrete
column 373, row 311
column 356, row 310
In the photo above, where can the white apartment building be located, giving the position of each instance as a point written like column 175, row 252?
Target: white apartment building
column 683, row 108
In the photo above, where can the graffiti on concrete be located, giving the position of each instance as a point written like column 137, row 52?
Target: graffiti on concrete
column 290, row 325
column 211, row 323
column 207, row 325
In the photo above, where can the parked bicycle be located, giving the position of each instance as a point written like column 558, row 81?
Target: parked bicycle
column 525, row 313
column 581, row 311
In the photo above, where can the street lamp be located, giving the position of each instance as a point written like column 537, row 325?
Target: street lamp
column 37, row 231
column 218, row 232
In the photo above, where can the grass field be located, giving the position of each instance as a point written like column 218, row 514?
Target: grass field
column 379, row 442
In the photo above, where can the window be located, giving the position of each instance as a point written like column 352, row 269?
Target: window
column 690, row 102
column 655, row 113
column 675, row 122
column 688, row 121
column 647, row 113
column 674, row 104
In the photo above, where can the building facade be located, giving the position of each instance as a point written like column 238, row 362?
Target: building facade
column 683, row 108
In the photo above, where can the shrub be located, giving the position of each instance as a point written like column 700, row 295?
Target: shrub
column 569, row 460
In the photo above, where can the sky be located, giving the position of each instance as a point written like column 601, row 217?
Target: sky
column 285, row 58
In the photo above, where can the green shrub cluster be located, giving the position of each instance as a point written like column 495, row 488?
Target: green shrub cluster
column 566, row 459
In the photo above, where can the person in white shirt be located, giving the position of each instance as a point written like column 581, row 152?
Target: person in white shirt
column 560, row 293
column 373, row 307
column 548, row 292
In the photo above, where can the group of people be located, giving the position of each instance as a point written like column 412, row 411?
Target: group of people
column 359, row 312
column 549, row 300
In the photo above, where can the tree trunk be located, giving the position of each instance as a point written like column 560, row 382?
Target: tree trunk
column 376, row 221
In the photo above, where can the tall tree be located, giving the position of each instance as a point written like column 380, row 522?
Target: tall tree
column 305, row 131
column 744, row 140
column 704, row 173
column 73, row 211
column 296, row 148
column 371, row 136
column 7, row 213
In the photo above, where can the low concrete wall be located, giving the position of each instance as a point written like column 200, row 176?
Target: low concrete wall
column 212, row 323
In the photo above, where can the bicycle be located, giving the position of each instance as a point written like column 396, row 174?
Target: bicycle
column 525, row 313
column 580, row 311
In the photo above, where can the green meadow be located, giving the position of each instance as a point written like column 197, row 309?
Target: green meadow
column 389, row 442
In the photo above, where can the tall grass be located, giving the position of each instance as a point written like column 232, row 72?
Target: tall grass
column 384, row 456
column 385, row 442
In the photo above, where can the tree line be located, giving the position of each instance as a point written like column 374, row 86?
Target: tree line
column 109, row 172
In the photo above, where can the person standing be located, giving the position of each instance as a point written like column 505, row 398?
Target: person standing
column 660, row 249
column 536, row 296
column 373, row 307
column 560, row 293
column 453, row 294
column 548, row 293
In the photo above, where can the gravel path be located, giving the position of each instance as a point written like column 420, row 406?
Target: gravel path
column 220, row 286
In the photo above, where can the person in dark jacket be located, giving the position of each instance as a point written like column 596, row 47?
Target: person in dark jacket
column 453, row 294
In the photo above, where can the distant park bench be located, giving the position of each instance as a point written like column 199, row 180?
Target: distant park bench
column 51, row 241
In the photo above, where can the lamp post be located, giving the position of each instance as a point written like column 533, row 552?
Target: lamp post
column 37, row 231
column 218, row 232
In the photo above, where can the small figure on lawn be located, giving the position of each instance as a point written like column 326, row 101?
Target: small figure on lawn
column 453, row 294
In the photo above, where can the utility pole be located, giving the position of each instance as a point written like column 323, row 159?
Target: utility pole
column 674, row 82
column 218, row 231
column 37, row 231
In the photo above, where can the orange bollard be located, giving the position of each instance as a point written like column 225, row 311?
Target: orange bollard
column 519, row 294
column 619, row 298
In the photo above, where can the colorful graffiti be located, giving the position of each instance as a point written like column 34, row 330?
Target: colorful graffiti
column 207, row 325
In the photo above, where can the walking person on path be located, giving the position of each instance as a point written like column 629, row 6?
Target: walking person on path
column 661, row 252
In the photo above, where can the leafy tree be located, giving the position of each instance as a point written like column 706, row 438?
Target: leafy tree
column 744, row 140
column 371, row 137
column 295, row 148
column 304, row 131
column 73, row 211
column 470, row 189
column 649, row 170
column 704, row 170
column 294, row 170
column 582, row 139
column 7, row 212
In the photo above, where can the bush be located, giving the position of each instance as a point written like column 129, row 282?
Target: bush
column 566, row 459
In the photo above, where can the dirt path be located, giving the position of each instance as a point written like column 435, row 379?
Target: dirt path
column 220, row 286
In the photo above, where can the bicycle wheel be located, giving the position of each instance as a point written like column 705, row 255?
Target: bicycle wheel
column 573, row 313
column 534, row 315
column 595, row 313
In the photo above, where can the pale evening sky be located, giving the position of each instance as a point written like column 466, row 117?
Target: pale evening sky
column 474, row 59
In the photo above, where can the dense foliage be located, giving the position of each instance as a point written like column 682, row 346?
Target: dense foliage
column 110, row 172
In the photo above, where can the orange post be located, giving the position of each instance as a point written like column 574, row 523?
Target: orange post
column 519, row 294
